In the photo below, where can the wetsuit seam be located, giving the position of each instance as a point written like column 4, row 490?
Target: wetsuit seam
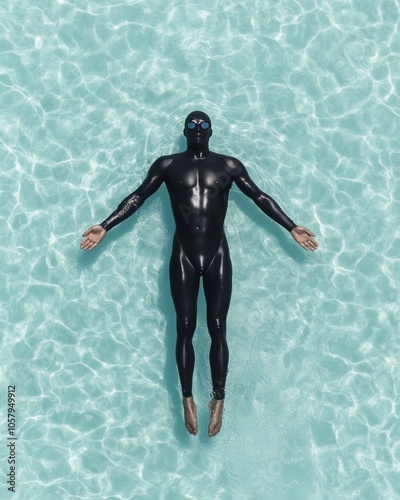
column 180, row 244
column 212, row 260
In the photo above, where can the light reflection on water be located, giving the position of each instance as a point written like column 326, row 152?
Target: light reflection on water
column 305, row 95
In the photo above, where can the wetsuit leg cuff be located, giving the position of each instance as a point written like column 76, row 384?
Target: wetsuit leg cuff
column 219, row 394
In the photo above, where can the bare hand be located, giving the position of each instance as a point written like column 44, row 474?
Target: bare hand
column 93, row 236
column 304, row 237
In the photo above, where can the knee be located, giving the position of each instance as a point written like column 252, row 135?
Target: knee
column 217, row 328
column 186, row 326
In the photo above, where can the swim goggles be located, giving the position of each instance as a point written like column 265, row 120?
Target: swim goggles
column 193, row 125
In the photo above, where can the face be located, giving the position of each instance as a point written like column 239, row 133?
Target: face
column 197, row 128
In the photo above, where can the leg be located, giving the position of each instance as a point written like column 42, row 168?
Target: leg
column 217, row 289
column 184, row 281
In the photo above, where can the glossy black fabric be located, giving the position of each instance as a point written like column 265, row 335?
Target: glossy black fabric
column 217, row 283
column 198, row 183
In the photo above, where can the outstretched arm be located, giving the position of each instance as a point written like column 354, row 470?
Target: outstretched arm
column 95, row 234
column 268, row 205
column 262, row 200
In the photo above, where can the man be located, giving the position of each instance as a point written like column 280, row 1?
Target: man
column 198, row 182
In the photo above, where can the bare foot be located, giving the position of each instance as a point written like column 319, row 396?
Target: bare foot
column 216, row 407
column 190, row 408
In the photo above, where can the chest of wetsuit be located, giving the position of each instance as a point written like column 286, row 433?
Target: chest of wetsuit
column 198, row 190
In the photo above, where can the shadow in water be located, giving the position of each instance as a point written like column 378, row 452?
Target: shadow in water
column 283, row 237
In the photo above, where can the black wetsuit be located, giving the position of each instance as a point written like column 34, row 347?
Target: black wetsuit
column 198, row 186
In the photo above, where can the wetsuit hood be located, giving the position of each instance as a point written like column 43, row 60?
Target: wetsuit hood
column 197, row 136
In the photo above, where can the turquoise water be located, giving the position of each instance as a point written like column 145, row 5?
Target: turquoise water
column 306, row 94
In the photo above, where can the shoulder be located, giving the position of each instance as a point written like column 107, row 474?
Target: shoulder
column 166, row 161
column 161, row 164
column 233, row 165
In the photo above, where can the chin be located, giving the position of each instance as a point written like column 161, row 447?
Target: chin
column 200, row 139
